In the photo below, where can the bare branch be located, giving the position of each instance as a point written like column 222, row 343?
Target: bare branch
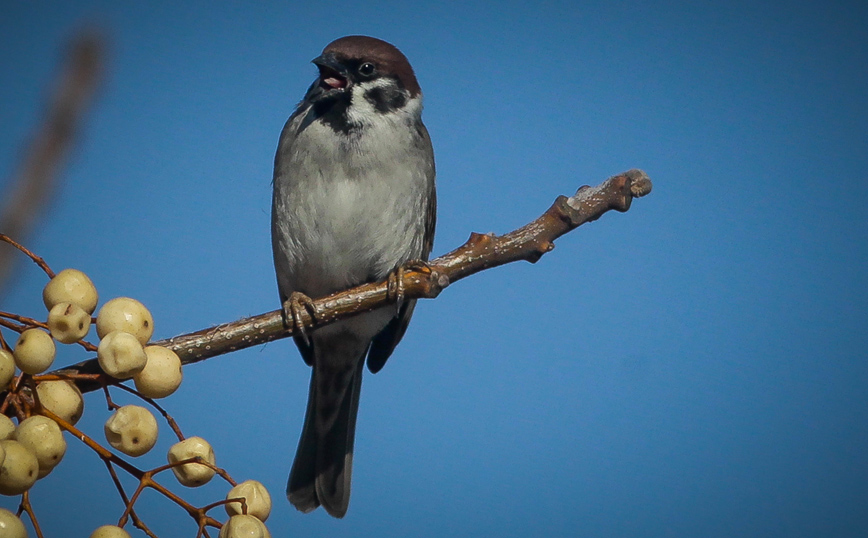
column 480, row 252
column 34, row 182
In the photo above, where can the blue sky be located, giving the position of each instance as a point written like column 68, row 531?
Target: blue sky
column 694, row 367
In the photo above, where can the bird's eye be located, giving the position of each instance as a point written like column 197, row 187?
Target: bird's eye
column 367, row 69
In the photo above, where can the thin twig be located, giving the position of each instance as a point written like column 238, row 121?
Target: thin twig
column 27, row 507
column 36, row 259
column 169, row 420
column 13, row 326
column 29, row 322
column 145, row 478
column 135, row 518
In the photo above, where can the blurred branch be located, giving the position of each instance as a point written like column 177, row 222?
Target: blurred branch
column 35, row 181
column 480, row 252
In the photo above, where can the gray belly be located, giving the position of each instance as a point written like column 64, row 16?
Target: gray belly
column 347, row 232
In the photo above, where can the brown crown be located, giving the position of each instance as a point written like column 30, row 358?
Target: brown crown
column 388, row 59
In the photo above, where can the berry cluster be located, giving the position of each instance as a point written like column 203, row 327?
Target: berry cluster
column 48, row 404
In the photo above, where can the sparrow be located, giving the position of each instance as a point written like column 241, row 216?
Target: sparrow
column 354, row 202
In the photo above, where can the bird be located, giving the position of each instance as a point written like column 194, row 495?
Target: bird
column 354, row 201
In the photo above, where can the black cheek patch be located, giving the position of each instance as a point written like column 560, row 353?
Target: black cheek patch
column 386, row 99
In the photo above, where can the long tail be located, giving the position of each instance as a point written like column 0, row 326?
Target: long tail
column 322, row 470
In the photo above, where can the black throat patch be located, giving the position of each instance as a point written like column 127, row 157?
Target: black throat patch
column 333, row 112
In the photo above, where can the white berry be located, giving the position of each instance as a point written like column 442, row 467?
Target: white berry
column 255, row 495
column 68, row 322
column 7, row 368
column 192, row 474
column 62, row 398
column 19, row 469
column 162, row 374
column 11, row 525
column 7, row 427
column 70, row 286
column 244, row 527
column 132, row 430
column 42, row 436
column 34, row 352
column 121, row 355
column 127, row 315
column 109, row 531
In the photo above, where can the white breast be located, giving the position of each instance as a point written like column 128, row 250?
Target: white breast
column 355, row 203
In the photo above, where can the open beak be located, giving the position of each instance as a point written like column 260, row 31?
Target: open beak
column 332, row 74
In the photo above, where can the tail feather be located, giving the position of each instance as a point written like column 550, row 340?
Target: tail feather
column 301, row 488
column 322, row 471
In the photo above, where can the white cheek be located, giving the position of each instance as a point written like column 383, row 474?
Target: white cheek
column 361, row 111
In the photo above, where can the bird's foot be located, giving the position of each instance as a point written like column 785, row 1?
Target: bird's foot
column 292, row 310
column 395, row 281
